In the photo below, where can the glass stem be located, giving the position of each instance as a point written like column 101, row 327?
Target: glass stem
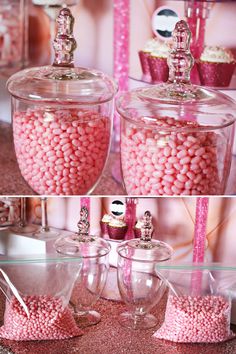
column 22, row 222
column 44, row 223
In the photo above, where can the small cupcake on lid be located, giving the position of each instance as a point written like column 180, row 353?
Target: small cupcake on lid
column 216, row 66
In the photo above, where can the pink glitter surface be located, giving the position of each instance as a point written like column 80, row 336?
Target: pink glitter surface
column 121, row 51
column 108, row 337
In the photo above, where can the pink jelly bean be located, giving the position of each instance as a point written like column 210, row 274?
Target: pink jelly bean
column 48, row 319
column 61, row 146
column 187, row 158
column 196, row 319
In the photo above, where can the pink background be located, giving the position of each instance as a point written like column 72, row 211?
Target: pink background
column 173, row 220
column 94, row 30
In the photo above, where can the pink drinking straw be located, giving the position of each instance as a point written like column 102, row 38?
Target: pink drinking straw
column 121, row 55
column 199, row 241
column 130, row 217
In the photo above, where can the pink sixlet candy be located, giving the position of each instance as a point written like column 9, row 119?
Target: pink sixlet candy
column 47, row 319
column 176, row 138
column 61, row 151
column 196, row 319
column 62, row 120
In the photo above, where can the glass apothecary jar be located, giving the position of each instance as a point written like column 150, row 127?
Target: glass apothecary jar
column 176, row 138
column 13, row 35
column 62, row 120
column 140, row 286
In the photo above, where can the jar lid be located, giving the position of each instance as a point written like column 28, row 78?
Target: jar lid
column 189, row 106
column 84, row 246
column 62, row 82
column 145, row 249
column 81, row 243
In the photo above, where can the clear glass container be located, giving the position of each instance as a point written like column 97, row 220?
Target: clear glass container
column 94, row 252
column 13, row 35
column 139, row 284
column 62, row 120
column 176, row 138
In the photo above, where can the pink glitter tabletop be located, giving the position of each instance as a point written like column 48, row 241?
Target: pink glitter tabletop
column 108, row 337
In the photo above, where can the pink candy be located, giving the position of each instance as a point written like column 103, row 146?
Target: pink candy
column 157, row 162
column 61, row 151
column 47, row 320
column 10, row 34
column 196, row 319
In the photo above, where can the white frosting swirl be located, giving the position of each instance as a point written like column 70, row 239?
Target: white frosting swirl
column 162, row 51
column 216, row 54
column 107, row 218
column 117, row 223
column 151, row 45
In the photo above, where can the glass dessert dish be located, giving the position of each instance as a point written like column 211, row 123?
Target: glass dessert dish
column 62, row 120
column 13, row 35
column 140, row 286
column 176, row 138
column 95, row 255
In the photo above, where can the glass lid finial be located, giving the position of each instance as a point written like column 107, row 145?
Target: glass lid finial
column 64, row 43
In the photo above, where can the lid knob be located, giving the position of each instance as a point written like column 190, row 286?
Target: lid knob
column 64, row 43
column 146, row 231
column 83, row 224
column 180, row 60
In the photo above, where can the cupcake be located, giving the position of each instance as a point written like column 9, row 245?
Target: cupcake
column 144, row 55
column 158, row 63
column 117, row 229
column 216, row 66
column 104, row 223
column 137, row 228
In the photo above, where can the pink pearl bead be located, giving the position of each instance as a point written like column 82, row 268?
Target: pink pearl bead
column 196, row 319
column 48, row 319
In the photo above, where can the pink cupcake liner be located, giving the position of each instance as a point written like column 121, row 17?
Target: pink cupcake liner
column 215, row 74
column 104, row 227
column 117, row 233
column 159, row 69
column 143, row 57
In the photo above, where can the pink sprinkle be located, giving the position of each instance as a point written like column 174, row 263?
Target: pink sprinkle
column 196, row 319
